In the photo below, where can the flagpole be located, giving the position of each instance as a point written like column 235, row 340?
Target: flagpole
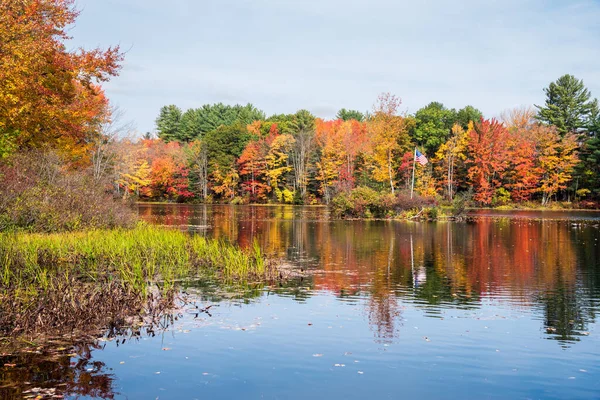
column 412, row 187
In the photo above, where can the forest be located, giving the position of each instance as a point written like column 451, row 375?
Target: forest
column 223, row 153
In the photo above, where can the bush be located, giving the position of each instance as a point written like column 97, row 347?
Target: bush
column 460, row 203
column 40, row 194
column 364, row 202
column 501, row 197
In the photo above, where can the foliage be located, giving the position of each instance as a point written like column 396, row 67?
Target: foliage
column 168, row 123
column 363, row 202
column 568, row 105
column 433, row 125
column 100, row 267
column 487, row 158
column 389, row 139
column 348, row 115
column 40, row 195
column 192, row 124
column 49, row 95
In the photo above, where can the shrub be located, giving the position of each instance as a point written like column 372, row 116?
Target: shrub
column 364, row 202
column 460, row 203
column 39, row 193
column 501, row 197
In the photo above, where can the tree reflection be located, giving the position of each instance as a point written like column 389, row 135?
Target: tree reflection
column 553, row 264
column 56, row 373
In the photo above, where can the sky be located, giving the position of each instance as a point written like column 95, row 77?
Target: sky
column 323, row 55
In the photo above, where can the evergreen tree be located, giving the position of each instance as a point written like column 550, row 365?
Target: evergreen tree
column 568, row 105
column 347, row 115
column 466, row 115
column 168, row 123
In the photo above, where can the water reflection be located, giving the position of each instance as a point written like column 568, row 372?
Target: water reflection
column 54, row 374
column 548, row 266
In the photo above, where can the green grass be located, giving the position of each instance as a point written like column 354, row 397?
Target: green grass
column 133, row 257
column 86, row 281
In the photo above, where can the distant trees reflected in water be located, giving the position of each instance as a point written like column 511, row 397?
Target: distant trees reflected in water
column 546, row 264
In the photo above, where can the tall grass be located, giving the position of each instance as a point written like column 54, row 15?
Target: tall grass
column 133, row 257
column 39, row 271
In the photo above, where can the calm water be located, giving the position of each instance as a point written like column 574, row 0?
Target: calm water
column 504, row 307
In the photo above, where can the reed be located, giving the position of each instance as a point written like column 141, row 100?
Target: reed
column 58, row 270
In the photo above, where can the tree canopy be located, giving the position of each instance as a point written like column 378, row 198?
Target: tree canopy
column 48, row 94
column 569, row 106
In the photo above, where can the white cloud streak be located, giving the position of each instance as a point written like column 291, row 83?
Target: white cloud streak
column 327, row 54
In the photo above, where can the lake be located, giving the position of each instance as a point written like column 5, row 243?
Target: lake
column 500, row 307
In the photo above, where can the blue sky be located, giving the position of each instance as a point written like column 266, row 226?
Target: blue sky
column 322, row 55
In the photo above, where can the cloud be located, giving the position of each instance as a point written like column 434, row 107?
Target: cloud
column 323, row 55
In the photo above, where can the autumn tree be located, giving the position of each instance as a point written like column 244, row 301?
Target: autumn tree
column 389, row 139
column 523, row 170
column 278, row 166
column 452, row 156
column 252, row 166
column 557, row 158
column 487, row 158
column 49, row 95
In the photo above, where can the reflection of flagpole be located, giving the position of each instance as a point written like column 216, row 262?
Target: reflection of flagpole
column 412, row 187
column 390, row 255
column 412, row 261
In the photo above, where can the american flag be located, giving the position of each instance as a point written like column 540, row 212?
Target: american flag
column 421, row 159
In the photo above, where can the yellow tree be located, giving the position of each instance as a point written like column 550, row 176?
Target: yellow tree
column 136, row 180
column 329, row 135
column 277, row 165
column 225, row 183
column 451, row 154
column 389, row 139
column 557, row 158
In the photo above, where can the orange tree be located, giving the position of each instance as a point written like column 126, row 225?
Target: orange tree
column 48, row 94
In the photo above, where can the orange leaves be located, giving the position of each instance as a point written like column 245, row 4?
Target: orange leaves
column 487, row 158
column 47, row 94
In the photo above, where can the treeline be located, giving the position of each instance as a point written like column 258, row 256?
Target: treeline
column 234, row 154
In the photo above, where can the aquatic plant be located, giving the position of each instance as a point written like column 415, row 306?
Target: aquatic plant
column 56, row 281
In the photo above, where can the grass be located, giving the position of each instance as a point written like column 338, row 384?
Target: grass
column 61, row 281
